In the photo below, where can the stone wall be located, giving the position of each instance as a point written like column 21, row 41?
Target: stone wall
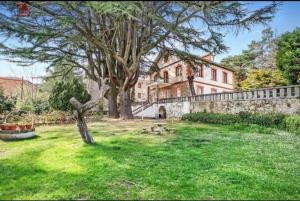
column 284, row 100
column 285, row 106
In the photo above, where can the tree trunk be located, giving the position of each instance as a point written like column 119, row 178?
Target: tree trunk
column 82, row 127
column 125, row 105
column 112, row 103
column 79, row 112
column 191, row 84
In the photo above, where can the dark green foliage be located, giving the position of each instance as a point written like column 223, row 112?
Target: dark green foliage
column 6, row 104
column 269, row 120
column 292, row 124
column 62, row 92
column 40, row 106
column 288, row 56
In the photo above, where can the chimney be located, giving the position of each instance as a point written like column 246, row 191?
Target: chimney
column 209, row 57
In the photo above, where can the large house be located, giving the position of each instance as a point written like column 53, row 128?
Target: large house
column 172, row 78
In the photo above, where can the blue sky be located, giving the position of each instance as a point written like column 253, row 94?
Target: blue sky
column 287, row 18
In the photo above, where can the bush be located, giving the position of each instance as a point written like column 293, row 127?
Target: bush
column 25, row 105
column 269, row 120
column 40, row 107
column 292, row 124
column 63, row 91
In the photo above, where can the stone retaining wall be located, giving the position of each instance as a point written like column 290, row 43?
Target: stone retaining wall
column 285, row 100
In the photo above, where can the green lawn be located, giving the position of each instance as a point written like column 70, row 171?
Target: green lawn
column 199, row 161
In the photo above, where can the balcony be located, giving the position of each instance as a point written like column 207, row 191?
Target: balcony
column 164, row 83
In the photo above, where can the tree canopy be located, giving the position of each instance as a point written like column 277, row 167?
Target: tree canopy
column 260, row 54
column 288, row 56
column 263, row 78
column 63, row 91
column 113, row 39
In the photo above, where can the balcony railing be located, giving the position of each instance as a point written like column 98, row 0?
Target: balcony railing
column 259, row 94
column 168, row 81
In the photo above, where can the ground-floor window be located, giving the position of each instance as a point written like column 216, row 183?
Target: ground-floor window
column 199, row 90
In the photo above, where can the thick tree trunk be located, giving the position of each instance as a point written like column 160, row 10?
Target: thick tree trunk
column 83, row 129
column 125, row 105
column 191, row 85
column 112, row 103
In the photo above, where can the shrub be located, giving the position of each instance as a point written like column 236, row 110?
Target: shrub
column 268, row 120
column 292, row 124
column 63, row 91
column 40, row 107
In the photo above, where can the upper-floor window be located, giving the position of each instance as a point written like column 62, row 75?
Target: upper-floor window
column 166, row 77
column 201, row 71
column 166, row 58
column 225, row 75
column 155, row 77
column 214, row 74
column 213, row 90
column 139, row 95
column 178, row 71
column 139, row 85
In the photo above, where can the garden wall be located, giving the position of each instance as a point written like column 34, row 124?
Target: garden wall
column 285, row 100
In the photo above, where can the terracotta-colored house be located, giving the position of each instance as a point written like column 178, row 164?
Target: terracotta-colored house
column 17, row 87
column 140, row 88
column 171, row 80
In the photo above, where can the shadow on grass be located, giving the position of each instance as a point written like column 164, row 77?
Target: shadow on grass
column 194, row 163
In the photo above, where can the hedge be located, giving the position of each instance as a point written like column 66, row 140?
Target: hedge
column 290, row 123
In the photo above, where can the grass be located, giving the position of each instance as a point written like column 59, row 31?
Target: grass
column 199, row 161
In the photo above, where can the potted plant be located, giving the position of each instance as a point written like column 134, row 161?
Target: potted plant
column 13, row 127
column 22, row 127
column 6, row 127
column 28, row 126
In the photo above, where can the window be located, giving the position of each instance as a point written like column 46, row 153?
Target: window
column 225, row 77
column 178, row 92
column 178, row 71
column 155, row 77
column 139, row 85
column 139, row 95
column 199, row 90
column 213, row 90
column 166, row 77
column 201, row 71
column 214, row 74
column 166, row 58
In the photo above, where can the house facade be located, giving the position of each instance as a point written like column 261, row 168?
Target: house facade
column 140, row 89
column 172, row 79
column 18, row 87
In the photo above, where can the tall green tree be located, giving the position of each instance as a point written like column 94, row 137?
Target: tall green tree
column 117, row 36
column 259, row 55
column 288, row 56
